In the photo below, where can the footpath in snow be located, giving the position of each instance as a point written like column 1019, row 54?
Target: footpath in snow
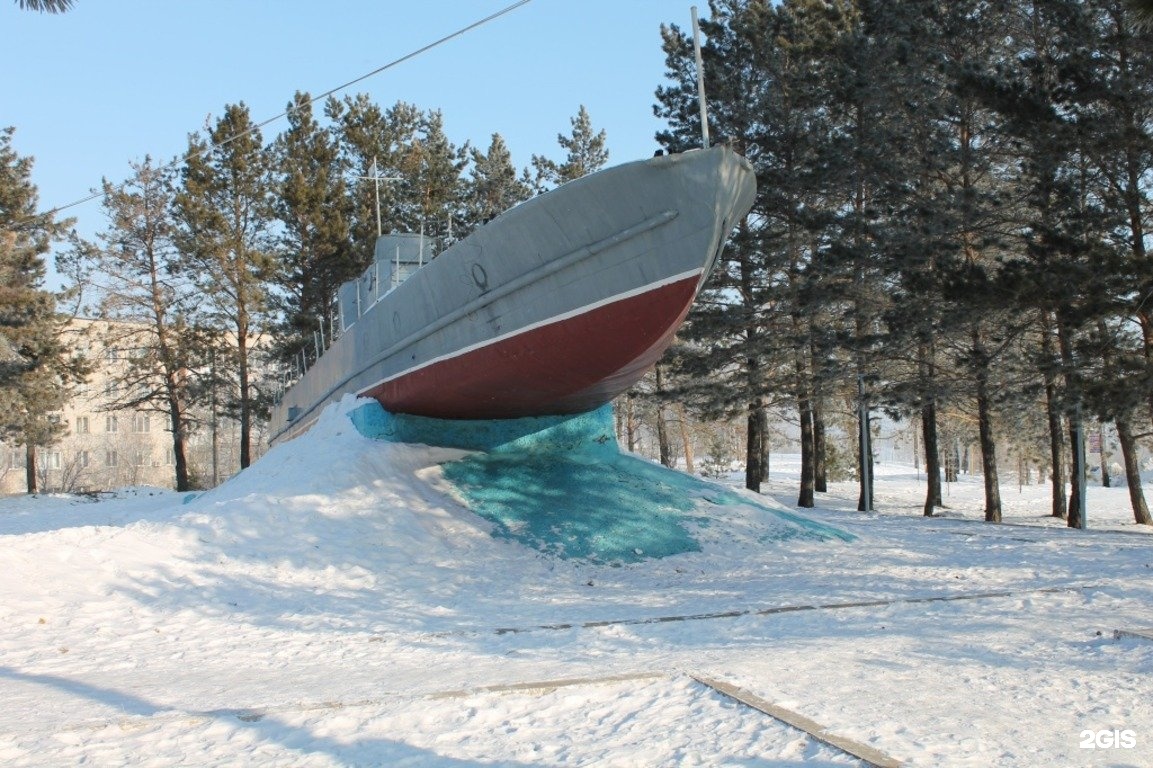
column 341, row 603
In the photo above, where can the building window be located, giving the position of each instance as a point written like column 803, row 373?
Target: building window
column 111, row 459
column 82, row 459
column 50, row 460
column 82, row 425
column 16, row 459
column 140, row 422
column 141, row 458
column 111, row 423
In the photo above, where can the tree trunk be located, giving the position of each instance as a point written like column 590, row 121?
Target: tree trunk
column 952, row 459
column 176, row 420
column 1103, row 452
column 664, row 446
column 926, row 367
column 30, row 468
column 932, row 457
column 866, row 501
column 1132, row 473
column 867, row 484
column 663, row 442
column 820, row 439
column 808, row 475
column 1145, row 320
column 985, row 431
column 820, row 452
column 686, row 440
column 803, row 384
column 245, row 409
column 988, row 459
column 1056, row 454
column 754, row 445
column 1076, row 471
column 765, row 447
column 1076, row 433
column 1056, row 433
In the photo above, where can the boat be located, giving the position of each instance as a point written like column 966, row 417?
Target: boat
column 554, row 307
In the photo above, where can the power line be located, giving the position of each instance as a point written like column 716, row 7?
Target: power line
column 313, row 100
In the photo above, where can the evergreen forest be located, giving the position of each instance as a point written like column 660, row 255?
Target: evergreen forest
column 950, row 229
column 948, row 232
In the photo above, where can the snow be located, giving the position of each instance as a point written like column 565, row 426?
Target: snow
column 560, row 484
column 335, row 605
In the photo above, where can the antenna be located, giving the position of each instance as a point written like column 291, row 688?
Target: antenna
column 374, row 176
column 700, row 80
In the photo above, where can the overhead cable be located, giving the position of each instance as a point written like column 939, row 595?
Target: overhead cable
column 326, row 94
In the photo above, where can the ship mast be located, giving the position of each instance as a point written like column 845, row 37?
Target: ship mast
column 374, row 176
column 700, row 80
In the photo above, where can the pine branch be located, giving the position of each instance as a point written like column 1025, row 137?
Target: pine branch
column 45, row 6
column 1142, row 13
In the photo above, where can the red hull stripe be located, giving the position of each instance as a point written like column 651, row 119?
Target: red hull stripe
column 569, row 364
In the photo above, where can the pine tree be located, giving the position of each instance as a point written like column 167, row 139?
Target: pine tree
column 431, row 168
column 587, row 152
column 493, row 185
column 1053, row 271
column 1005, row 240
column 36, row 370
column 1115, row 93
column 314, row 251
column 223, row 212
column 725, row 326
column 1111, row 393
column 150, row 303
column 866, row 184
column 950, row 204
column 374, row 146
column 402, row 157
column 796, row 142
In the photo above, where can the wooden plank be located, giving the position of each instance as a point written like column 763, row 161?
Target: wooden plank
column 868, row 754
column 1135, row 634
column 547, row 686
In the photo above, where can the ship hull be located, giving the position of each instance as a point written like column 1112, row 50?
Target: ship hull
column 567, row 365
column 555, row 307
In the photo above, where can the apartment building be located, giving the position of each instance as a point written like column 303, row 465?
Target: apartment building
column 106, row 446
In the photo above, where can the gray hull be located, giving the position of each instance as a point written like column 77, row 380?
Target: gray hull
column 605, row 266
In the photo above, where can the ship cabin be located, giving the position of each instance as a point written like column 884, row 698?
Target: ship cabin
column 396, row 258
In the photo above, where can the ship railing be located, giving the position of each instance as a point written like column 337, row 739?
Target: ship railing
column 307, row 355
column 352, row 295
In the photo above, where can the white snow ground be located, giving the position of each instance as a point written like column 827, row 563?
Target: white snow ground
column 329, row 607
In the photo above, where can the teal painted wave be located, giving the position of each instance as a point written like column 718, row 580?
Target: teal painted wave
column 560, row 485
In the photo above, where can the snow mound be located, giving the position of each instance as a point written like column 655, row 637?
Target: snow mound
column 560, row 485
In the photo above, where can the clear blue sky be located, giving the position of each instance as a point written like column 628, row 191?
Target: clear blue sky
column 114, row 80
